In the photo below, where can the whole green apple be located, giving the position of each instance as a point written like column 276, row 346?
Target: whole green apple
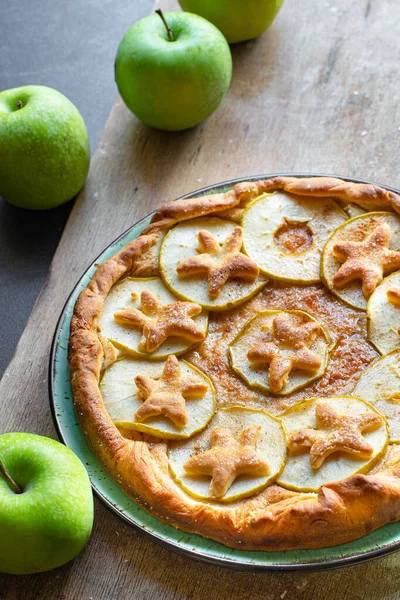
column 46, row 504
column 239, row 20
column 44, row 148
column 173, row 74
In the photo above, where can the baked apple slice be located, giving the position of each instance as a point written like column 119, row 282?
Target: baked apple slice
column 285, row 234
column 383, row 312
column 168, row 400
column 280, row 351
column 330, row 439
column 380, row 385
column 238, row 454
column 141, row 317
column 202, row 260
column 359, row 254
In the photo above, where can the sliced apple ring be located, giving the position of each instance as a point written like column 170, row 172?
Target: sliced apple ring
column 357, row 229
column 285, row 234
column 298, row 473
column 380, row 385
column 383, row 312
column 259, row 331
column 182, row 243
column 121, row 397
column 125, row 295
column 270, row 446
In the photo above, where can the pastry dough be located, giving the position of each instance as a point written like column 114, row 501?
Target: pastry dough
column 274, row 517
column 179, row 396
column 235, row 456
column 201, row 260
column 368, row 260
column 219, row 262
column 280, row 351
column 359, row 254
column 287, row 351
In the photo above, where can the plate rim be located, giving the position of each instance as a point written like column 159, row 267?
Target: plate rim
column 306, row 566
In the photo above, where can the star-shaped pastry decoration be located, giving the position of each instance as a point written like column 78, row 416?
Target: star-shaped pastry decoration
column 287, row 351
column 167, row 395
column 369, row 260
column 219, row 262
column 335, row 433
column 228, row 458
column 393, row 296
column 158, row 322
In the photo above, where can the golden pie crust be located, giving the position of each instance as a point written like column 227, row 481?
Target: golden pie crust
column 275, row 518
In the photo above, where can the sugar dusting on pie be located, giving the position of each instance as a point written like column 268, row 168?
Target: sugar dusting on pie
column 331, row 439
column 159, row 322
column 202, row 260
column 335, row 433
column 278, row 302
column 219, row 262
column 360, row 254
column 280, row 351
column 228, row 458
column 287, row 351
column 239, row 453
column 141, row 317
column 368, row 260
column 170, row 399
column 349, row 355
column 167, row 395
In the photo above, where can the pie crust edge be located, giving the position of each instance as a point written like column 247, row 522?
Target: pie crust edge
column 275, row 519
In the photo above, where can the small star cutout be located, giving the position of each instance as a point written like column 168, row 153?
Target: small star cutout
column 219, row 263
column 228, row 458
column 159, row 322
column 167, row 396
column 288, row 351
column 336, row 433
column 368, row 261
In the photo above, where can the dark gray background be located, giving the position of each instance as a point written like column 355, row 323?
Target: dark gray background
column 69, row 45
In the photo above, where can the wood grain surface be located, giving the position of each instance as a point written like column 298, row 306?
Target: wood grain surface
column 318, row 92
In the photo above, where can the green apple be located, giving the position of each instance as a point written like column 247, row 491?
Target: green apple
column 239, row 20
column 46, row 504
column 173, row 74
column 44, row 148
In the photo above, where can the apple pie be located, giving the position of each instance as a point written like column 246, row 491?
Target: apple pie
column 236, row 368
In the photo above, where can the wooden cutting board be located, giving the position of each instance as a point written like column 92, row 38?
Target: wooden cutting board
column 318, row 92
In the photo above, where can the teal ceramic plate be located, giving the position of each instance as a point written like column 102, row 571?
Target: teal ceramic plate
column 379, row 543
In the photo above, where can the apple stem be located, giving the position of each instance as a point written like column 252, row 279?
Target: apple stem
column 15, row 487
column 168, row 28
column 19, row 104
